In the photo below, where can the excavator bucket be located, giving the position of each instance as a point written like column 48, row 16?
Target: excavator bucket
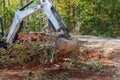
column 66, row 46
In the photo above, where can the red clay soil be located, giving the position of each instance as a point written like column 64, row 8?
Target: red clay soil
column 17, row 70
column 98, row 57
column 32, row 37
column 17, row 66
column 91, row 76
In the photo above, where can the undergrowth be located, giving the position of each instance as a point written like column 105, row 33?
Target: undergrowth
column 25, row 52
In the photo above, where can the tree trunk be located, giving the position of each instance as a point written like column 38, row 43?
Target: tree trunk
column 21, row 3
column 4, row 19
column 9, row 3
column 73, row 10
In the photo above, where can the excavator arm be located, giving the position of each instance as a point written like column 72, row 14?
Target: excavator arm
column 64, row 42
column 48, row 8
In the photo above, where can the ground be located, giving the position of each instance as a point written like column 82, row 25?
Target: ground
column 80, row 66
column 68, row 71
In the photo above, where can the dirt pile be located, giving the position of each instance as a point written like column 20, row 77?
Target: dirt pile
column 32, row 37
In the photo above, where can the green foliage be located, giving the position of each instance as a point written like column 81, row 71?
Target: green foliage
column 102, row 22
column 92, row 66
column 97, row 17
column 24, row 52
column 7, row 11
column 117, row 74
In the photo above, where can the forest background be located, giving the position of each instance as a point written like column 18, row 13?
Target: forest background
column 84, row 17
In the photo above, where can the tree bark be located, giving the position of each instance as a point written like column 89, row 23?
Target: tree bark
column 9, row 3
column 21, row 3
